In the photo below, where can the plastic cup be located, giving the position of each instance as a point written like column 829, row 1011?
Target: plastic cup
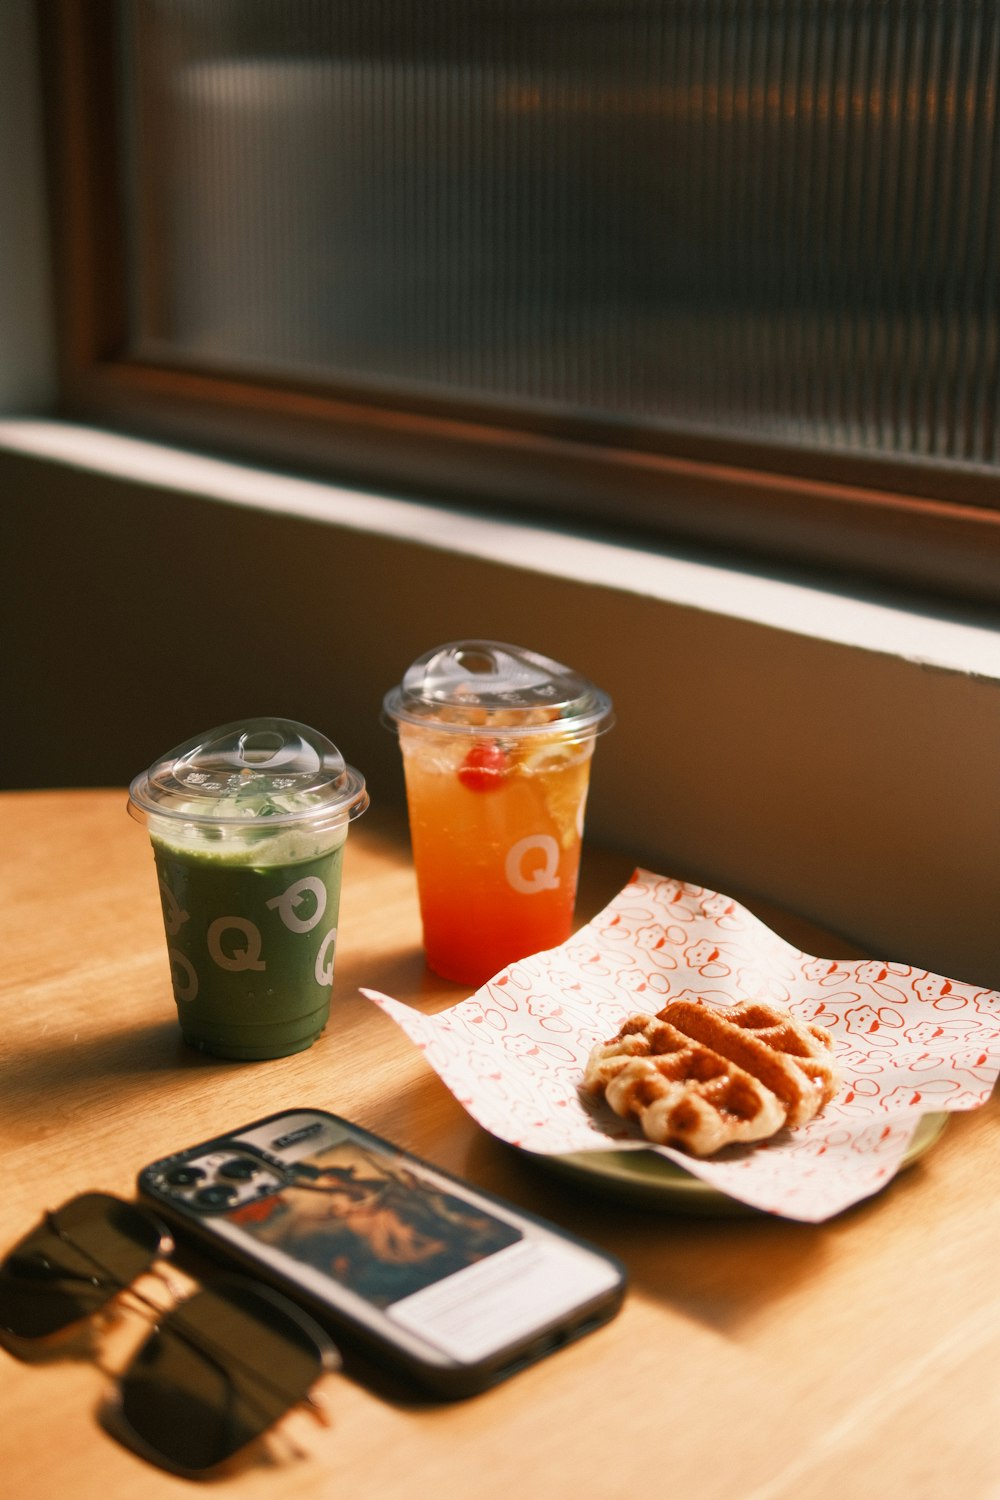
column 496, row 744
column 248, row 823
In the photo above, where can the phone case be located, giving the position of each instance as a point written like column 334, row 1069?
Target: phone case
column 441, row 1280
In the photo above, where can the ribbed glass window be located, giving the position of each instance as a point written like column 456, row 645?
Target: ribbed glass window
column 763, row 219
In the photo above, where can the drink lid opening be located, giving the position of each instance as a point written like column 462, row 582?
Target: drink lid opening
column 479, row 686
column 273, row 769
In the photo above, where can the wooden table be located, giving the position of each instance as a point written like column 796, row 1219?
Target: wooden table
column 754, row 1359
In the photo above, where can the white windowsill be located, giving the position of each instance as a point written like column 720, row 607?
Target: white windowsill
column 803, row 609
column 835, row 755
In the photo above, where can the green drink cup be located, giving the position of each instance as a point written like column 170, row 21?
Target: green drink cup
column 248, row 824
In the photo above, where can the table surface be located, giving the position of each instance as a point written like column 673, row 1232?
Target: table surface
column 754, row 1358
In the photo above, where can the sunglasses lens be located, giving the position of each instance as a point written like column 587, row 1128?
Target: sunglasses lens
column 74, row 1263
column 218, row 1372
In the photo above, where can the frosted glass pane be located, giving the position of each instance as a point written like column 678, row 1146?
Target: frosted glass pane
column 761, row 219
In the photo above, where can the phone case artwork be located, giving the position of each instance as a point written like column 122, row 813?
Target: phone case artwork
column 325, row 1200
column 371, row 1225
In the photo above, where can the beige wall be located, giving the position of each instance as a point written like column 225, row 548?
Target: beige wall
column 852, row 785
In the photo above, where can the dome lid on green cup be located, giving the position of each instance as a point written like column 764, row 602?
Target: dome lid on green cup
column 258, row 771
column 475, row 687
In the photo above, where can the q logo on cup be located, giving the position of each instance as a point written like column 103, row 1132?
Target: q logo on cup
column 297, row 893
column 183, row 975
column 542, row 878
column 174, row 916
column 241, row 958
column 324, row 958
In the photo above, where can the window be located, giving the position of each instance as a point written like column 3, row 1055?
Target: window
column 723, row 270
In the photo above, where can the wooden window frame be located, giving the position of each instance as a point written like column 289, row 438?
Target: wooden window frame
column 933, row 527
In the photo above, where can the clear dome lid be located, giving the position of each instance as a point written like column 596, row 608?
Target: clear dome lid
column 476, row 687
column 248, row 772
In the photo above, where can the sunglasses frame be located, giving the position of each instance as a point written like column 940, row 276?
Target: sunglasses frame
column 60, row 1334
column 170, row 1323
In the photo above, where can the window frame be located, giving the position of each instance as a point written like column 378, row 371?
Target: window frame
column 934, row 527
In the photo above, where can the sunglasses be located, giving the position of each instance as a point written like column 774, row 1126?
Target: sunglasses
column 218, row 1370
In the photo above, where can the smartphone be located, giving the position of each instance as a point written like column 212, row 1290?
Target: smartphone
column 440, row 1280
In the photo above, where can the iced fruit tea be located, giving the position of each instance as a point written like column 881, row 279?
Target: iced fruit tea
column 495, row 826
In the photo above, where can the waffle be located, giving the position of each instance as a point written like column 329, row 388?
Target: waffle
column 680, row 1092
column 699, row 1078
column 790, row 1058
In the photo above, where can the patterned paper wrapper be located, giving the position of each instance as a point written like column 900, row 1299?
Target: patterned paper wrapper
column 907, row 1043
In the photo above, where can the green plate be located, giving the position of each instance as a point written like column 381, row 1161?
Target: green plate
column 646, row 1177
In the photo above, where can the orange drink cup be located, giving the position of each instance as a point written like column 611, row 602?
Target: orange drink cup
column 497, row 743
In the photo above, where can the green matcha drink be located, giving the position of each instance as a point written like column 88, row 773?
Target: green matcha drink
column 248, row 825
column 250, row 941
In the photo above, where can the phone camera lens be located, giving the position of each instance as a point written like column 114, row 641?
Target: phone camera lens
column 238, row 1169
column 216, row 1195
column 183, row 1176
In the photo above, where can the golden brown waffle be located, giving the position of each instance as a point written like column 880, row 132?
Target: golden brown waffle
column 680, row 1092
column 791, row 1058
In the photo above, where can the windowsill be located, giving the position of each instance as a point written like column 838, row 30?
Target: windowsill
column 833, row 755
column 804, row 608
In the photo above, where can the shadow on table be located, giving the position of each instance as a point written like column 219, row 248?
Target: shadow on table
column 721, row 1270
column 114, row 1056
